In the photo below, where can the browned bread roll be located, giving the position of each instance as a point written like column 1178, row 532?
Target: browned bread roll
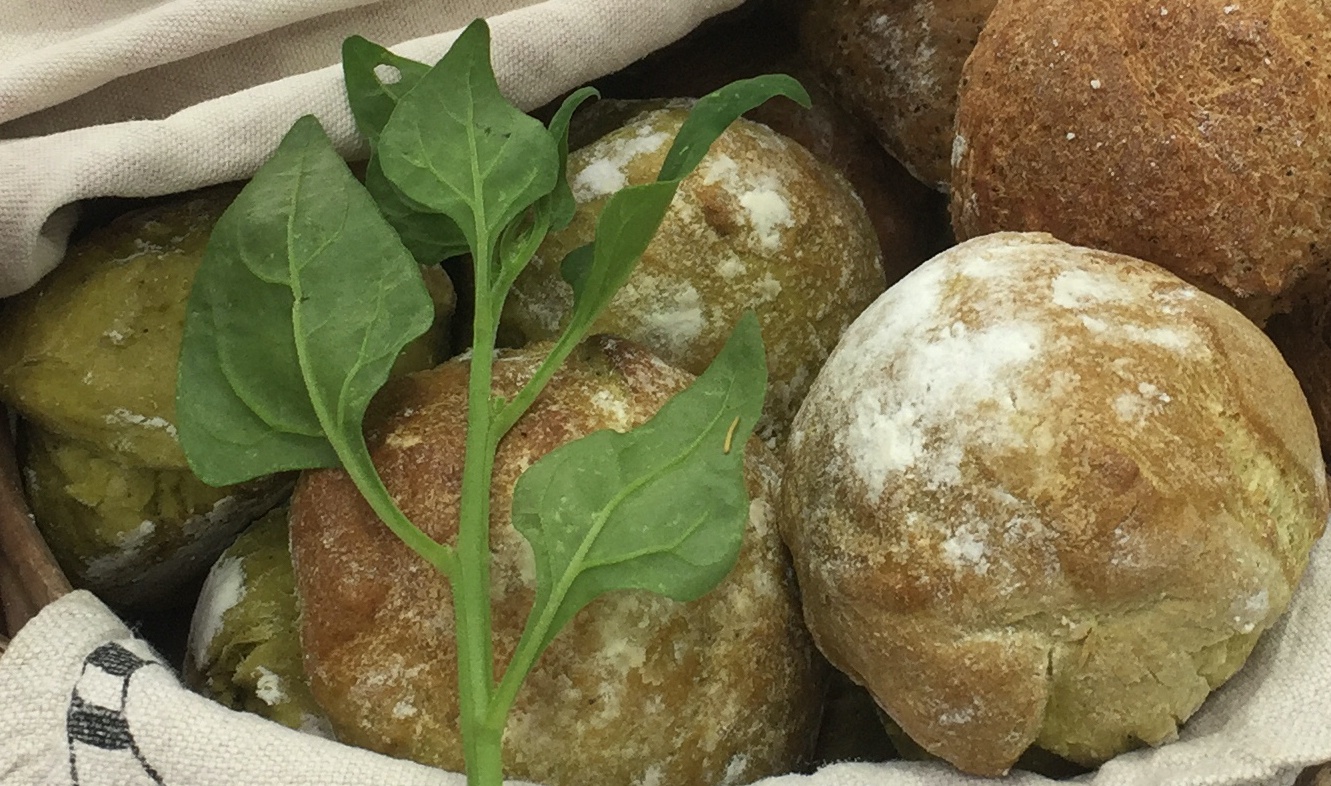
column 909, row 217
column 1191, row 134
column 1046, row 495
column 897, row 63
column 638, row 688
column 760, row 224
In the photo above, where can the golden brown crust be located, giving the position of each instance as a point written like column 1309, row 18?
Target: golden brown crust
column 1192, row 136
column 760, row 225
column 637, row 689
column 909, row 217
column 898, row 63
column 1048, row 495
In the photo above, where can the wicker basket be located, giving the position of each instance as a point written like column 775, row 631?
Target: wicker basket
column 29, row 575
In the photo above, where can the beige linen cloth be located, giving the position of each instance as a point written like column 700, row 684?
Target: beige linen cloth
column 147, row 97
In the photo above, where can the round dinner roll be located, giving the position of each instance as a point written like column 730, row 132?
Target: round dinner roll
column 243, row 649
column 1047, row 495
column 1192, row 134
column 897, row 64
column 636, row 689
column 760, row 224
column 88, row 360
column 909, row 217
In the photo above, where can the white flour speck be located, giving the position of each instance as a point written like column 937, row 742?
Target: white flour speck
column 966, row 550
column 122, row 416
column 269, row 687
column 223, row 589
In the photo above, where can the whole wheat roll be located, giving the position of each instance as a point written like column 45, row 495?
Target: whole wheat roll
column 897, row 64
column 1190, row 133
column 1044, row 495
column 637, row 688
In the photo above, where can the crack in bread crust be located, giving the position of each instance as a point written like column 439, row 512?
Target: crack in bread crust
column 1125, row 486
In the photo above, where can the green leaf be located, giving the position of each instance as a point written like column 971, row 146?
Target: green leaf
column 715, row 111
column 304, row 299
column 630, row 218
column 517, row 245
column 372, row 100
column 662, row 508
column 562, row 203
column 576, row 269
column 430, row 237
column 457, row 147
column 625, row 228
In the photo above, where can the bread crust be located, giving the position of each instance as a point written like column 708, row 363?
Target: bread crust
column 1192, row 135
column 760, row 224
column 637, row 688
column 898, row 63
column 909, row 217
column 1045, row 495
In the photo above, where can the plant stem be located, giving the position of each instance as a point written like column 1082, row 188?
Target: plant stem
column 471, row 589
column 520, row 403
column 358, row 464
column 524, row 658
column 515, row 254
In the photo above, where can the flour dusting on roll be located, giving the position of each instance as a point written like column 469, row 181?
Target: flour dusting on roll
column 1043, row 495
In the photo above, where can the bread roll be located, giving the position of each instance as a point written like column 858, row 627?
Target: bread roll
column 244, row 639
column 909, row 217
column 1190, row 134
column 1046, row 495
column 898, row 64
column 88, row 360
column 637, row 689
column 761, row 224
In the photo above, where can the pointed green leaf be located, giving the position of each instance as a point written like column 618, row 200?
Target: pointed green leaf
column 304, row 299
column 662, row 508
column 562, row 203
column 430, row 237
column 625, row 228
column 457, row 147
column 372, row 99
column 577, row 267
column 715, row 111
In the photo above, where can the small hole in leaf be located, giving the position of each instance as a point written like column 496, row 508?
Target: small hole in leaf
column 387, row 74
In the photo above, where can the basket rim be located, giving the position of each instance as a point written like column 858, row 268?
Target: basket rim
column 30, row 577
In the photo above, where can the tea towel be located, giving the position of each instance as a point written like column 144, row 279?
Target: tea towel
column 141, row 98
column 84, row 703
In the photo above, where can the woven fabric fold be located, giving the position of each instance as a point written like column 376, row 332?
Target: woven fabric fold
column 165, row 128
